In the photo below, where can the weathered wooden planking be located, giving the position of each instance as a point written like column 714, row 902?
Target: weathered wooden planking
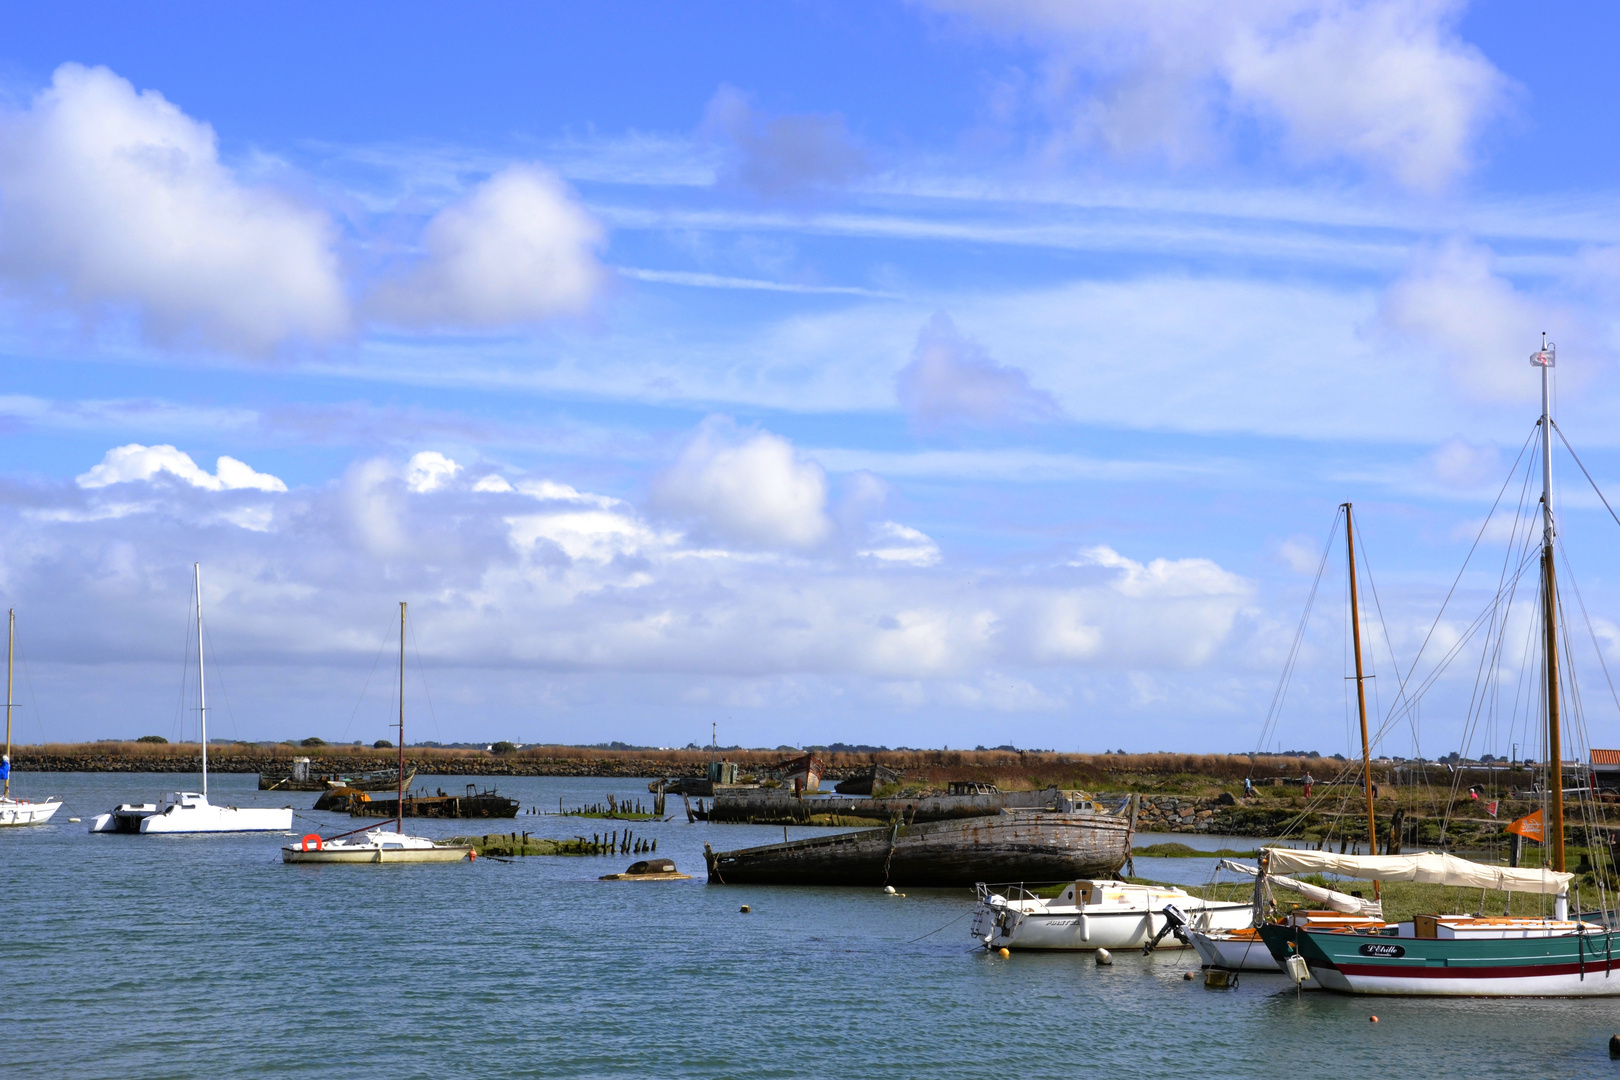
column 1011, row 846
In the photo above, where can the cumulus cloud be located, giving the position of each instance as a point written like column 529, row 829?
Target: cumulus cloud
column 1387, row 84
column 951, row 379
column 429, row 470
column 893, row 542
column 519, row 249
column 1451, row 300
column 784, row 156
column 514, row 593
column 114, row 200
column 124, row 464
column 748, row 487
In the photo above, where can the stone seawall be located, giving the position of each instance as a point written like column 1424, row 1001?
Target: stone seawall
column 1221, row 815
column 223, row 761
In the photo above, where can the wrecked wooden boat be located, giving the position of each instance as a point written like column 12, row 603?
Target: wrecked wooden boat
column 474, row 804
column 302, row 775
column 1013, row 845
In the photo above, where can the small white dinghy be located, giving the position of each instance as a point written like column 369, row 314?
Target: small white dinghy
column 18, row 811
column 1243, row 949
column 379, row 845
column 190, row 811
column 1099, row 915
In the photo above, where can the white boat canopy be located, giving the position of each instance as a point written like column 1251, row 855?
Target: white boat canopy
column 1431, row 867
column 1338, row 901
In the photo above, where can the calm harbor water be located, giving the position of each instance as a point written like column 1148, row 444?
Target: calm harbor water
column 137, row 957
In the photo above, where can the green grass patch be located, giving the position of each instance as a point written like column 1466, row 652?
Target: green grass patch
column 1182, row 851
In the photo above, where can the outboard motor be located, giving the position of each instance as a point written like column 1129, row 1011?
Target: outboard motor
column 1175, row 921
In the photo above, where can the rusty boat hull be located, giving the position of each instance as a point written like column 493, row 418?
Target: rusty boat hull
column 1010, row 846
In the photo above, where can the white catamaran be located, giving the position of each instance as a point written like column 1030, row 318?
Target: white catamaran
column 18, row 811
column 378, row 845
column 190, row 811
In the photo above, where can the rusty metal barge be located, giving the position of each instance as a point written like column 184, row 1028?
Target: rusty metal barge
column 1013, row 845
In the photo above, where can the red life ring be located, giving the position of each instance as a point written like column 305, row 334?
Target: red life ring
column 315, row 837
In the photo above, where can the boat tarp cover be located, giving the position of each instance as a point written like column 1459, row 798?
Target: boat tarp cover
column 1338, row 901
column 1431, row 867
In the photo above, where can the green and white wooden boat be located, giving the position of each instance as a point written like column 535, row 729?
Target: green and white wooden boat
column 1466, row 955
column 1449, row 955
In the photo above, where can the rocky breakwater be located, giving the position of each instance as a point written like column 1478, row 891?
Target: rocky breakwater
column 1222, row 815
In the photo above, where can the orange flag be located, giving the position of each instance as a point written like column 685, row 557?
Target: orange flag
column 1528, row 826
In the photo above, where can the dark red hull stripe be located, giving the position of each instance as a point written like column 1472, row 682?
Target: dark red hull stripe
column 1437, row 971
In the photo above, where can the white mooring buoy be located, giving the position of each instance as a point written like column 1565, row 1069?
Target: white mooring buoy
column 1104, row 957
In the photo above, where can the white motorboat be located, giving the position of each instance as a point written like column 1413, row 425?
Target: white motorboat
column 18, row 811
column 1099, row 915
column 190, row 811
column 378, row 845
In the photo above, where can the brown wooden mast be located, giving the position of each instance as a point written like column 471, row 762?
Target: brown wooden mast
column 1361, row 686
column 1546, row 359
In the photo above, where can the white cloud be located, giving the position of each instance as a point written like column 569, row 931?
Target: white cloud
column 749, row 487
column 519, row 249
column 895, row 543
column 1384, row 83
column 1452, row 300
column 951, row 379
column 429, row 470
column 114, row 200
column 124, row 464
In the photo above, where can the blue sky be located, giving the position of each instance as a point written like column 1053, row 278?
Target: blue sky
column 934, row 373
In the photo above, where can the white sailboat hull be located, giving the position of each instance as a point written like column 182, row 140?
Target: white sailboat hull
column 22, row 812
column 377, row 855
column 1121, row 916
column 1233, row 950
column 377, row 846
column 188, row 812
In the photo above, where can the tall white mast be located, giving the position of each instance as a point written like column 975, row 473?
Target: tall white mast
column 202, row 696
column 11, row 638
column 1546, row 359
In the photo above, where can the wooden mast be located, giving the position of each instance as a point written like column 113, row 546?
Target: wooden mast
column 1361, row 686
column 399, row 797
column 11, row 638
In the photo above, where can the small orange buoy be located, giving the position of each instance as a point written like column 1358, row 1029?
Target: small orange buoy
column 744, row 909
column 1003, row 951
column 1374, row 1019
column 1186, row 976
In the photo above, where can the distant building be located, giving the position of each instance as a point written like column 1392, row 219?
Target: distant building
column 1606, row 769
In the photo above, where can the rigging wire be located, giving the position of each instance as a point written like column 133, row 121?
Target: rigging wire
column 1278, row 696
column 1588, row 475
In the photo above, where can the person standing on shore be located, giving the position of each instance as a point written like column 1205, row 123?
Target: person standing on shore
column 1310, row 782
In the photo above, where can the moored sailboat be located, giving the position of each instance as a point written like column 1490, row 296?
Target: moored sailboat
column 1463, row 954
column 378, row 845
column 18, row 811
column 190, row 811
